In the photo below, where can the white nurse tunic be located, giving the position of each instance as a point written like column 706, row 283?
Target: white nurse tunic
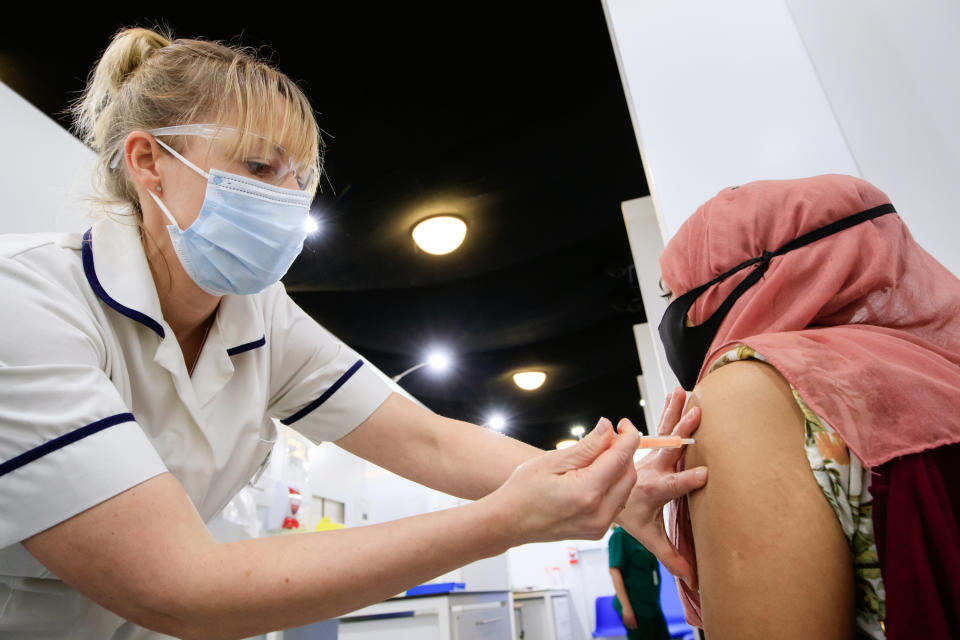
column 95, row 398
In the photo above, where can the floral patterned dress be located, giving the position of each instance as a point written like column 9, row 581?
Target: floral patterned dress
column 844, row 482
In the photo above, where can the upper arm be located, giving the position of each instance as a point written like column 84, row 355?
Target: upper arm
column 134, row 554
column 318, row 385
column 67, row 438
column 81, row 485
column 771, row 557
column 398, row 435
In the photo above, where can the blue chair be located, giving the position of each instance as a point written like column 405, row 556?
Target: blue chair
column 608, row 622
column 672, row 607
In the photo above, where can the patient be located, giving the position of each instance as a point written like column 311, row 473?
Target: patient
column 822, row 363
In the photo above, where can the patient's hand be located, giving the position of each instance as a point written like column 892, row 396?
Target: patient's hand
column 658, row 484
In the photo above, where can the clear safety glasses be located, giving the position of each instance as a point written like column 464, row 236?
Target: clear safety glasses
column 264, row 160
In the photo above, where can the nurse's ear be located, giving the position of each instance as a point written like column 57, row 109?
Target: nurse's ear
column 141, row 153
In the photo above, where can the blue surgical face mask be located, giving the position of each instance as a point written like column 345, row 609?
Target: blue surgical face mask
column 246, row 235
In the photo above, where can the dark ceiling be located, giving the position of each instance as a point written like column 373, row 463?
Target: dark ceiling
column 515, row 120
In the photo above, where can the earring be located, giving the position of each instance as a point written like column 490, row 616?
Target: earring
column 159, row 188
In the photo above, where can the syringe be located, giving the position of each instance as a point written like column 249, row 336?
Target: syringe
column 662, row 442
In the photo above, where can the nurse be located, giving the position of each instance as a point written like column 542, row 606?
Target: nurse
column 143, row 362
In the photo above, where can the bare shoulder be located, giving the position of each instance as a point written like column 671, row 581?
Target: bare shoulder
column 757, row 519
column 746, row 405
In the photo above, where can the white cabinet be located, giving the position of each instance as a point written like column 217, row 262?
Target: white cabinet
column 492, row 624
column 545, row 615
column 451, row 616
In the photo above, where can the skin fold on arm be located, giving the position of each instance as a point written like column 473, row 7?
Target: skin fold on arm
column 772, row 559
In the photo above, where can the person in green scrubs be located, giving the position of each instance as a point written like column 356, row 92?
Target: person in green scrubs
column 636, row 579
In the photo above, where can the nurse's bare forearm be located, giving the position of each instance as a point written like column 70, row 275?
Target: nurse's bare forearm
column 253, row 586
column 146, row 555
column 476, row 460
column 449, row 455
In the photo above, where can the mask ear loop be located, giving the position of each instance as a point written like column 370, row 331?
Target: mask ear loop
column 179, row 157
column 163, row 208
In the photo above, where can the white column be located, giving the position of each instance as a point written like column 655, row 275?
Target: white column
column 646, row 244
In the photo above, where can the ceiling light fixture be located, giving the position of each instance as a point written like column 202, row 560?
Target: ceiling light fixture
column 529, row 380
column 578, row 430
column 563, row 444
column 497, row 421
column 438, row 360
column 440, row 234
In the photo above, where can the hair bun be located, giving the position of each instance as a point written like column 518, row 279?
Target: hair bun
column 127, row 51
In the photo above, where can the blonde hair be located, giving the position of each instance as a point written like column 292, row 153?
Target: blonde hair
column 146, row 80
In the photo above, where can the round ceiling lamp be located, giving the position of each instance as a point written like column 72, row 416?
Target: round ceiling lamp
column 563, row 444
column 440, row 234
column 529, row 380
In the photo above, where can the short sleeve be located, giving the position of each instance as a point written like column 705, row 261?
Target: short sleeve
column 319, row 385
column 615, row 545
column 67, row 439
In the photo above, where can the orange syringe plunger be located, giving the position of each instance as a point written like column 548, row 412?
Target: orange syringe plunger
column 660, row 442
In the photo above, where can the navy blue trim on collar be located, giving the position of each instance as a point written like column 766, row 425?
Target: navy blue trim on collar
column 133, row 314
column 256, row 344
column 325, row 396
column 59, row 442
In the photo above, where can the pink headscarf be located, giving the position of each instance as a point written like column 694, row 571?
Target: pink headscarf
column 864, row 323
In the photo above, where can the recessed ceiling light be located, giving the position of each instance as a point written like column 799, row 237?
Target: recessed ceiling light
column 529, row 380
column 563, row 444
column 578, row 430
column 440, row 234
column 497, row 422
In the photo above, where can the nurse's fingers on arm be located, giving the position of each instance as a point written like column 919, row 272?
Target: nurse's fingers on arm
column 667, row 458
column 688, row 424
column 671, row 414
column 674, row 485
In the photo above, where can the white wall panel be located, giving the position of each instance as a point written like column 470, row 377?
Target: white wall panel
column 44, row 171
column 721, row 93
column 889, row 70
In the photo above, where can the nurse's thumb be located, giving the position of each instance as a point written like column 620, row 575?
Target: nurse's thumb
column 587, row 450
